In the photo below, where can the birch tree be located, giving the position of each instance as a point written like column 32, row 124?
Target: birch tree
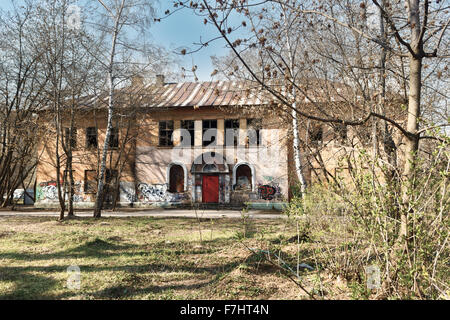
column 120, row 17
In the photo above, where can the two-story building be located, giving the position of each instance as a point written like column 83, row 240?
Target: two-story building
column 175, row 144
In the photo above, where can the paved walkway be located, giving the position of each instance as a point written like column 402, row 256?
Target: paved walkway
column 157, row 213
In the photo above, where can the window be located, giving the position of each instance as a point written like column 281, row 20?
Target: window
column 341, row 133
column 73, row 139
column 209, row 133
column 243, row 177
column 188, row 126
column 165, row 133
column 91, row 137
column 114, row 138
column 253, row 132
column 90, row 181
column 232, row 132
column 316, row 134
column 176, row 179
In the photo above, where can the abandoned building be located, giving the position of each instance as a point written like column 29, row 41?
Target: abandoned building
column 178, row 144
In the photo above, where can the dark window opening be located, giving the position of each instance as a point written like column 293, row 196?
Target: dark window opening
column 70, row 140
column 253, row 132
column 114, row 138
column 165, row 133
column 91, row 137
column 341, row 133
column 90, row 181
column 232, row 132
column 176, row 179
column 209, row 133
column 316, row 134
column 188, row 128
column 243, row 178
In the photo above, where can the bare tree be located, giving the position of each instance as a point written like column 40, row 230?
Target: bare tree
column 119, row 16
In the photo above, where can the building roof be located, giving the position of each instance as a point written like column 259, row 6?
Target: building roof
column 200, row 94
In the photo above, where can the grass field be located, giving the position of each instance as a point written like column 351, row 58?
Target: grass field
column 152, row 258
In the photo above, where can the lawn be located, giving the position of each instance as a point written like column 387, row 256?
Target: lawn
column 153, row 258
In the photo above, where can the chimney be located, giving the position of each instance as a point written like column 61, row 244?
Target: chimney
column 137, row 80
column 160, row 80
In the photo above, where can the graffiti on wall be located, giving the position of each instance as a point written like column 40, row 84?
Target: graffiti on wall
column 158, row 193
column 270, row 189
column 127, row 192
column 47, row 191
column 266, row 192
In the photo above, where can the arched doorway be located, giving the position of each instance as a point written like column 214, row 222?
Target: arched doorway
column 211, row 178
column 244, row 176
column 176, row 179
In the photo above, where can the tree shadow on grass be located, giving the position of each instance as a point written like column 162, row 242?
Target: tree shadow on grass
column 26, row 285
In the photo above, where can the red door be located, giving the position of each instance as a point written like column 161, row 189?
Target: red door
column 210, row 190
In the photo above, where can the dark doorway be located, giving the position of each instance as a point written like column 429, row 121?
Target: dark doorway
column 176, row 179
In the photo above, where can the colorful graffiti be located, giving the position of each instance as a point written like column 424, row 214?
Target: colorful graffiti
column 127, row 192
column 158, row 193
column 47, row 191
column 267, row 192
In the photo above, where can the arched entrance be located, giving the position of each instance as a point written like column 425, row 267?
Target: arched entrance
column 211, row 179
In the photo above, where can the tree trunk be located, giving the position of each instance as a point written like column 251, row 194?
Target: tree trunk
column 412, row 141
column 297, row 154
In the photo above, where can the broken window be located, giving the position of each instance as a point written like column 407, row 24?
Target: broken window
column 253, row 132
column 341, row 133
column 165, row 133
column 243, row 178
column 91, row 137
column 316, row 134
column 114, row 138
column 188, row 128
column 176, row 179
column 73, row 138
column 209, row 132
column 90, row 181
column 232, row 132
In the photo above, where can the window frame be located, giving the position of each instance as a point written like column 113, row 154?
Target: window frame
column 89, row 144
column 190, row 130
column 230, row 124
column 210, row 143
column 165, row 132
column 87, row 187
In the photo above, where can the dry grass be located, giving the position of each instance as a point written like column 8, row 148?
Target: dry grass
column 149, row 258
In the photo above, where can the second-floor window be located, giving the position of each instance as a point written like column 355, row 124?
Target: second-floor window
column 70, row 140
column 253, row 132
column 91, row 137
column 114, row 138
column 188, row 133
column 165, row 133
column 209, row 133
column 232, row 132
column 316, row 134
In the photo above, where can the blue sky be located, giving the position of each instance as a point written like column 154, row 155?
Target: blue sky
column 180, row 30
